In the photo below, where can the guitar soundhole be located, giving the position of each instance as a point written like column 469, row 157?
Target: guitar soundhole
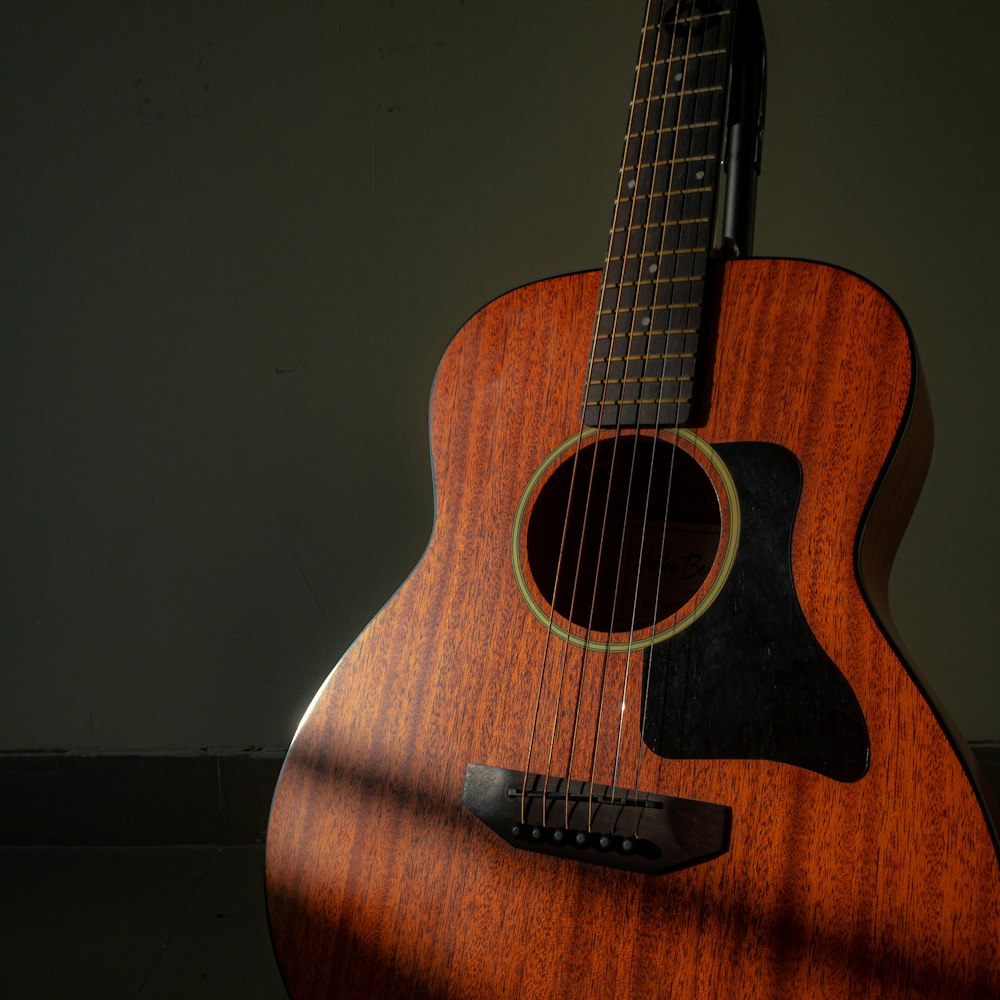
column 642, row 529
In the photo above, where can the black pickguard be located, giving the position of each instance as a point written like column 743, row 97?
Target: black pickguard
column 748, row 679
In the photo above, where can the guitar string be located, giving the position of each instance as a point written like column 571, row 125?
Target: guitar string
column 575, row 462
column 548, row 643
column 726, row 41
column 617, row 436
column 645, row 521
column 645, row 227
column 643, row 135
column 657, row 231
column 579, row 447
column 599, row 438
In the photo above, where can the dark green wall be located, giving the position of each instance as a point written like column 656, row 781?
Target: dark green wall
column 236, row 237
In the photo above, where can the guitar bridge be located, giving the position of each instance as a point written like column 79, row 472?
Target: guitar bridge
column 596, row 824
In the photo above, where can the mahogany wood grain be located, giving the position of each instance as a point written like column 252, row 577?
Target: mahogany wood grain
column 380, row 883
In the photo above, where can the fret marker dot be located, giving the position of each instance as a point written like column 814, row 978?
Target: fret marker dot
column 645, row 321
column 700, row 175
column 652, row 269
column 631, row 185
column 678, row 77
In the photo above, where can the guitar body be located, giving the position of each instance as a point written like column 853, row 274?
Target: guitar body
column 381, row 882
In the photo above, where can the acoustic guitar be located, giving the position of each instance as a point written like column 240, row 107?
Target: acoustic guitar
column 639, row 724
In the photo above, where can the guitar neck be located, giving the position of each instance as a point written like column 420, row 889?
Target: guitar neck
column 645, row 347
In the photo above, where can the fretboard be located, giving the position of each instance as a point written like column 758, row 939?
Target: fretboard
column 644, row 354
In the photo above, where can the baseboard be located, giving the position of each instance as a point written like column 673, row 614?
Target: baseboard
column 69, row 799
column 136, row 800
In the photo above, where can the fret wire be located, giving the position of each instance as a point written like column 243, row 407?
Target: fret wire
column 656, row 281
column 680, row 93
column 672, row 59
column 626, row 358
column 621, row 335
column 672, row 128
column 673, row 333
column 645, row 333
column 689, row 354
column 626, row 199
column 701, row 17
column 668, row 400
column 665, row 223
column 668, row 162
column 640, row 381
